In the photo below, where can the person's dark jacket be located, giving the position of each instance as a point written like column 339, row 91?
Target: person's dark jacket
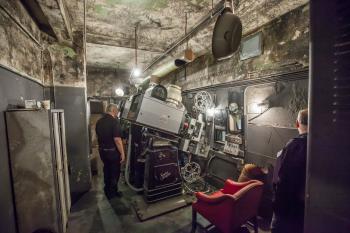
column 289, row 178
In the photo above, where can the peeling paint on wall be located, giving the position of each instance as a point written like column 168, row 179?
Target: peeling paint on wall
column 17, row 50
column 68, row 63
column 67, row 51
column 49, row 63
column 146, row 4
column 56, row 18
column 285, row 49
column 29, row 52
column 99, row 9
column 19, row 13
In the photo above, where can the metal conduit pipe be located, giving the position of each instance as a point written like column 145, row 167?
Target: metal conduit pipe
column 126, row 174
column 163, row 70
column 213, row 13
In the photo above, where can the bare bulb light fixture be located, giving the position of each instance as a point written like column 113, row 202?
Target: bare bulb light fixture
column 119, row 92
column 136, row 72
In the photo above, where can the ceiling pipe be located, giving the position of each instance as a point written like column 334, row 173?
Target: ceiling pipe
column 215, row 11
column 170, row 66
column 136, row 45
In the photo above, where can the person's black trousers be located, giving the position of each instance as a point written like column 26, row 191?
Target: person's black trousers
column 111, row 170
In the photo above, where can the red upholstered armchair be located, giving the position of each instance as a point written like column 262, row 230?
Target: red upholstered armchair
column 230, row 207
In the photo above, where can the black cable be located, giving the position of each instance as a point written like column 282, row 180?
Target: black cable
column 260, row 114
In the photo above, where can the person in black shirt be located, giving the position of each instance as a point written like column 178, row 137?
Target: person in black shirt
column 111, row 149
column 289, row 182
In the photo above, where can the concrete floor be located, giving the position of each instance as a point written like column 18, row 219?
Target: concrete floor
column 94, row 213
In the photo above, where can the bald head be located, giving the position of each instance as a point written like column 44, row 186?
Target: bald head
column 302, row 121
column 112, row 109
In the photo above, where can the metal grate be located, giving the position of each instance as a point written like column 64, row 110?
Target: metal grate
column 328, row 159
column 341, row 63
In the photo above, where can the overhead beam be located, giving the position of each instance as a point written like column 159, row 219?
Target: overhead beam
column 35, row 11
column 21, row 26
column 65, row 16
column 58, row 18
column 92, row 38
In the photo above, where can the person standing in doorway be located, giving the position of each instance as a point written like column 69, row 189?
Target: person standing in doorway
column 111, row 149
column 289, row 182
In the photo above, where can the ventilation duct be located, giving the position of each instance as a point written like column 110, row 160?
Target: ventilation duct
column 171, row 66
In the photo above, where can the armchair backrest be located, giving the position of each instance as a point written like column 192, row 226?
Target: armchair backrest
column 246, row 204
column 232, row 206
column 231, row 187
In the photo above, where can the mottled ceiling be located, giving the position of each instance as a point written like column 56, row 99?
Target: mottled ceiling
column 106, row 56
column 160, row 23
column 111, row 24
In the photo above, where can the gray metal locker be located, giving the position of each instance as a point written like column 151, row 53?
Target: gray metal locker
column 39, row 170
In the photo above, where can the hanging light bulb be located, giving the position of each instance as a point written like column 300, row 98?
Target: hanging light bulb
column 119, row 92
column 136, row 72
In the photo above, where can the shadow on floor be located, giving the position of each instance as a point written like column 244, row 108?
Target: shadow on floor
column 94, row 213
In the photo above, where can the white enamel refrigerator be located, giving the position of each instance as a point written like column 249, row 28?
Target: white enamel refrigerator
column 39, row 169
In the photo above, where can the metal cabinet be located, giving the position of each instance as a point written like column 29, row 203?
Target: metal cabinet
column 39, row 170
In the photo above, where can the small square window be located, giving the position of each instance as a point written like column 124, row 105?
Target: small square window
column 251, row 46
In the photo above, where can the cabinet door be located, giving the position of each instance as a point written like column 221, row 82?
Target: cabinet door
column 33, row 168
column 59, row 170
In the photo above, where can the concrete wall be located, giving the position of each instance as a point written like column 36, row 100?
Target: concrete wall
column 37, row 65
column 285, row 48
column 102, row 82
column 30, row 52
column 73, row 101
column 68, row 91
column 13, row 88
column 20, row 41
column 68, row 62
column 20, row 51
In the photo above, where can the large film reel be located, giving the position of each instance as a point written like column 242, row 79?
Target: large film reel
column 191, row 172
column 203, row 101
